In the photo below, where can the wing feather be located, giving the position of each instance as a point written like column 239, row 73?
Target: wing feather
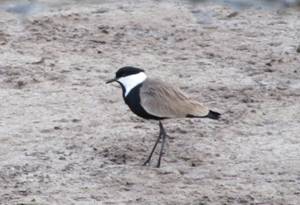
column 163, row 100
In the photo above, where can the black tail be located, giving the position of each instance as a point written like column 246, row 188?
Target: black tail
column 213, row 115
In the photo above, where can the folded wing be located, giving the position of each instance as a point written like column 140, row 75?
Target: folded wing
column 163, row 100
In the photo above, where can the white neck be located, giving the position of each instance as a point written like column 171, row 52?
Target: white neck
column 131, row 81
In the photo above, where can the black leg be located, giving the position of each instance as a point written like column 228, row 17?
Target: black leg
column 154, row 147
column 164, row 135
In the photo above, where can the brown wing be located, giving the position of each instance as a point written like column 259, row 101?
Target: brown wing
column 163, row 100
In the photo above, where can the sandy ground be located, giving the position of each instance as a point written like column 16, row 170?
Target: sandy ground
column 67, row 138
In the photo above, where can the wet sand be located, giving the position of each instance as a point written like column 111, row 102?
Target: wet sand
column 67, row 138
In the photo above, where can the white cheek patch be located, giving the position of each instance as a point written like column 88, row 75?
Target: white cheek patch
column 131, row 81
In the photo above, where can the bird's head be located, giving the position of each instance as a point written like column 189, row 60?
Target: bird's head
column 129, row 77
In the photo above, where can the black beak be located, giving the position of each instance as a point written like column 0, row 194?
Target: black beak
column 110, row 81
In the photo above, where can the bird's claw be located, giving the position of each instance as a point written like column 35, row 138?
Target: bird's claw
column 146, row 163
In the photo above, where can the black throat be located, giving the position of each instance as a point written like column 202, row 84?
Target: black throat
column 133, row 101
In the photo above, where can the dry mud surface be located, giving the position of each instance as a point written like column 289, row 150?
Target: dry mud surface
column 67, row 138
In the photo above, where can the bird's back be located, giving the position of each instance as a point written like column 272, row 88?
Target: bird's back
column 164, row 100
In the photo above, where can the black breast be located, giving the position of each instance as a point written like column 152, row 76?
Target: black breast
column 133, row 100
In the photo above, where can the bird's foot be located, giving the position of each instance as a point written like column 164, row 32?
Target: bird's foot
column 146, row 163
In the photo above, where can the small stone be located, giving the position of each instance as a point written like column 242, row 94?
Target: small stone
column 268, row 70
column 233, row 14
column 105, row 31
column 298, row 49
column 98, row 41
column 269, row 64
column 62, row 158
column 75, row 120
column 101, row 11
column 20, row 84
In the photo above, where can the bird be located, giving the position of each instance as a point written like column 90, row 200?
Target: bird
column 154, row 99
